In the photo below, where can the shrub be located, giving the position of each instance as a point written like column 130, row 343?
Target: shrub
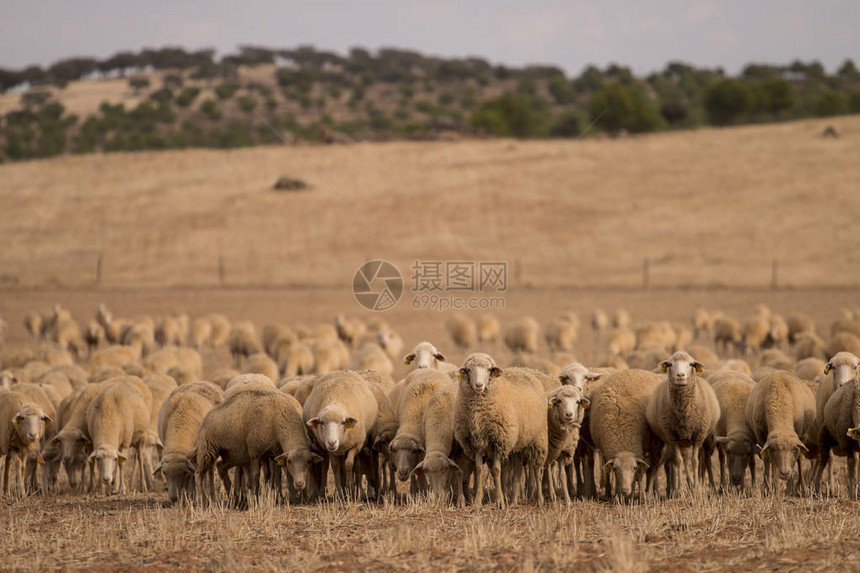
column 561, row 89
column 615, row 107
column 727, row 101
column 247, row 103
column 187, row 96
column 211, row 109
column 511, row 114
column 829, row 103
column 225, row 91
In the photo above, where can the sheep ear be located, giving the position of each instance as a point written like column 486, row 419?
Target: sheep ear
column 85, row 440
column 408, row 359
column 724, row 440
column 313, row 423
column 54, row 441
column 48, row 421
column 121, row 459
column 191, row 466
column 586, row 403
column 562, row 379
column 461, row 374
column 593, row 375
column 439, row 356
column 802, row 447
column 40, row 460
column 92, row 458
column 664, row 366
column 828, row 368
column 641, row 464
column 552, row 402
column 350, row 423
column 17, row 419
column 607, row 467
column 317, row 459
column 854, row 433
column 699, row 367
column 453, row 467
column 763, row 453
column 495, row 372
column 281, row 459
column 418, row 469
column 156, row 470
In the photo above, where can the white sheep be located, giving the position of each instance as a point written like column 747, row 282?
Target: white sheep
column 735, row 438
column 809, row 345
column 727, row 334
column 600, row 321
column 350, row 330
column 163, row 359
column 296, row 359
column 781, row 412
column 840, row 433
column 179, row 420
column 560, row 334
column 461, row 330
column 249, row 381
column 522, row 335
column 683, row 412
column 329, row 354
column 114, row 355
column 260, row 363
column 444, row 475
column 425, row 355
column 200, row 333
column 371, row 356
column 242, row 341
column 488, row 328
column 340, row 411
column 498, row 413
column 220, row 329
column 565, row 413
column 798, row 323
column 621, row 342
column 619, row 428
column 22, row 426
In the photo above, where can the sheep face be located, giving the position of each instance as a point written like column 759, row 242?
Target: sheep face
column 30, row 423
column 73, row 447
column 424, row 355
column 682, row 368
column 477, row 372
column 844, row 367
column 782, row 453
column 625, row 467
column 577, row 375
column 179, row 473
column 738, row 454
column 440, row 470
column 331, row 426
column 569, row 406
column 297, row 463
column 106, row 461
column 406, row 453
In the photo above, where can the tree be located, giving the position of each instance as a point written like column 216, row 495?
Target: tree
column 829, row 103
column 615, row 107
column 727, row 101
column 138, row 83
column 511, row 114
column 848, row 71
column 561, row 90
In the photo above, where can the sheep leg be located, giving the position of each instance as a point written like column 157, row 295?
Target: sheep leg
column 823, row 458
column 337, row 470
column 479, row 480
column 565, row 470
column 549, row 482
column 539, row 470
column 496, row 470
column 254, row 478
column 751, row 465
column 6, row 473
column 852, row 474
column 721, row 455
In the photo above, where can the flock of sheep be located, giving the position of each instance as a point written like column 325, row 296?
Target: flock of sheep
column 314, row 399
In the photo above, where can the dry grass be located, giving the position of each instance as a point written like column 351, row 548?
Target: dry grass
column 708, row 207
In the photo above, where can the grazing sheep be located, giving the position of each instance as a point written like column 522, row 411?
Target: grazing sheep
column 809, row 345
column 488, row 328
column 246, row 382
column 260, row 363
column 683, row 412
column 809, row 368
column 163, row 359
column 220, row 330
column 776, row 359
column 168, row 332
column 621, row 318
column 200, row 333
column 114, row 355
column 139, row 334
column 622, row 341
column 560, row 334
column 778, row 333
column 799, row 323
column 297, row 359
column 781, row 412
column 94, row 336
column 390, row 342
column 727, row 335
column 461, row 330
column 619, row 427
column 243, row 341
column 655, row 335
column 350, row 330
column 736, row 365
column 407, row 447
column 522, row 336
column 498, row 413
column 385, row 427
column 444, row 475
column 340, row 411
column 371, row 357
column 838, row 371
column 843, row 342
column 565, row 413
column 703, row 323
column 735, row 439
column 33, row 323
column 329, row 355
column 425, row 355
column 840, row 433
column 117, row 418
column 22, row 426
column 600, row 321
column 755, row 334
column 179, row 420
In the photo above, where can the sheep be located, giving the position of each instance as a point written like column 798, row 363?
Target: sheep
column 560, row 334
column 621, row 318
column 407, row 447
column 94, row 335
column 371, row 357
column 179, row 420
column 683, row 336
column 103, row 373
column 735, row 365
column 439, row 466
column 798, row 323
column 683, row 412
column 385, row 427
column 140, row 334
column 843, row 342
column 778, row 333
column 73, row 439
column 260, row 363
column 578, row 376
column 703, row 323
column 781, row 412
column 809, row 368
column 498, row 413
column 223, row 376
column 249, row 381
column 840, row 432
column 735, row 439
column 22, row 426
column 350, row 330
column 243, row 341
column 851, row 325
column 58, row 381
column 200, row 333
column 425, row 355
column 600, row 321
column 461, row 330
column 247, row 430
column 33, row 323
column 755, row 334
column 329, row 355
column 776, row 359
column 220, row 329
column 727, row 334
column 116, row 419
column 621, row 342
column 67, row 334
column 809, row 345
column 168, row 332
column 299, row 359
column 114, row 355
column 390, row 342
column 620, row 431
column 522, row 336
column 658, row 334
column 340, row 411
column 166, row 358
column 488, row 328
column 565, row 413
column 270, row 332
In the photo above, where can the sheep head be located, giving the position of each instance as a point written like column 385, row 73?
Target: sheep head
column 106, row 461
column 330, row 426
column 30, row 423
column 782, row 451
column 569, row 405
column 424, row 355
column 577, row 375
column 179, row 473
column 844, row 366
column 738, row 451
column 477, row 372
column 682, row 368
column 297, row 463
column 626, row 467
column 406, row 452
column 440, row 470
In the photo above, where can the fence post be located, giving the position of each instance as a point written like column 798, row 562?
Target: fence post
column 99, row 262
column 221, row 270
column 646, row 273
column 774, row 274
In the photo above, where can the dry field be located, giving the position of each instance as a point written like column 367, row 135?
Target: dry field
column 710, row 209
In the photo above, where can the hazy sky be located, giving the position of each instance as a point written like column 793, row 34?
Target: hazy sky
column 641, row 34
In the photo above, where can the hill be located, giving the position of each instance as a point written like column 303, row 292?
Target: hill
column 706, row 207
